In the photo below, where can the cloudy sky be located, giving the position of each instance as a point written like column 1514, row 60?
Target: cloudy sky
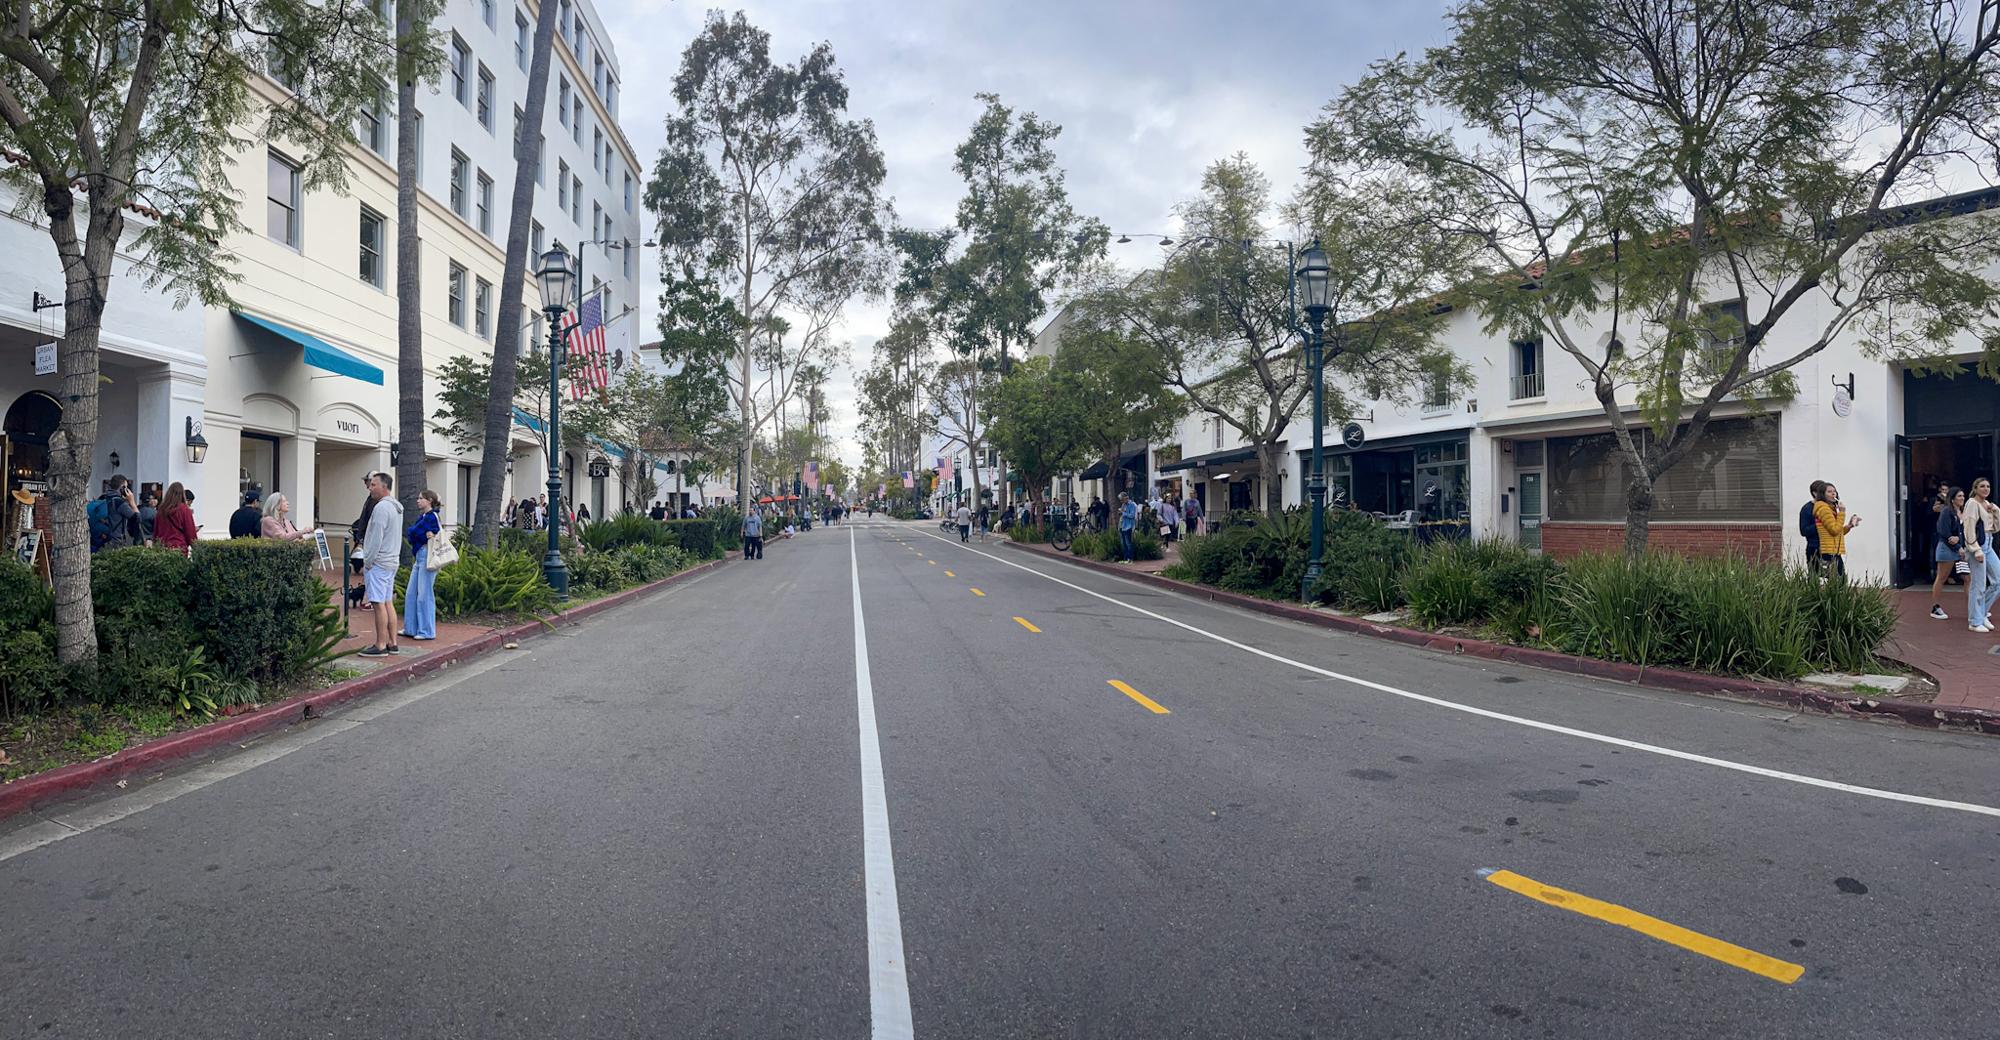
column 1147, row 93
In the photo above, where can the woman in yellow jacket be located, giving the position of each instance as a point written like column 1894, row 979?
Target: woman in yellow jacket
column 1833, row 522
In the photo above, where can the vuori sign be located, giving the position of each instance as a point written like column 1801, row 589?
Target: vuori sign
column 346, row 427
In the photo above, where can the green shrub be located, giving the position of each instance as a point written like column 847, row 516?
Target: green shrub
column 1362, row 563
column 728, row 527
column 1444, row 586
column 30, row 678
column 1104, row 545
column 645, row 563
column 1846, row 622
column 493, row 581
column 534, row 543
column 695, row 537
column 625, row 529
column 255, row 602
column 144, row 628
column 1027, row 534
column 591, row 569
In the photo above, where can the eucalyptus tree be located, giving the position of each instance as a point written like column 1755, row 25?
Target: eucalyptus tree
column 1692, row 199
column 123, row 115
column 766, row 187
column 498, row 427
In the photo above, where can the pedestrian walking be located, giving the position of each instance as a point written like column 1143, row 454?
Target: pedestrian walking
column 1191, row 515
column 277, row 520
column 420, row 596
column 1170, row 521
column 1830, row 516
column 985, row 518
column 248, row 520
column 149, row 516
column 1128, row 518
column 753, row 535
column 963, row 518
column 1981, row 519
column 659, row 511
column 357, row 560
column 1100, row 514
column 382, row 550
column 1809, row 524
column 176, row 527
column 1949, row 551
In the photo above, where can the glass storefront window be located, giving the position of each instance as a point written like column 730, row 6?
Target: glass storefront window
column 1730, row 475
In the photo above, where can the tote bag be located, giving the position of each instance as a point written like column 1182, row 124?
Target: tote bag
column 442, row 553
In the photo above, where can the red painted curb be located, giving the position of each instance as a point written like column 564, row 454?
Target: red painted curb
column 29, row 791
column 1797, row 698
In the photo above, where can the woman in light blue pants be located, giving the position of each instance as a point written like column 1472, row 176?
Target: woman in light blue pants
column 420, row 595
column 1981, row 519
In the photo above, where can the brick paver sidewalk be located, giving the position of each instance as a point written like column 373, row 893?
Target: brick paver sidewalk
column 1963, row 663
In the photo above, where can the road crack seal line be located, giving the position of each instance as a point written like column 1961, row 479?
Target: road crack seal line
column 1500, row 716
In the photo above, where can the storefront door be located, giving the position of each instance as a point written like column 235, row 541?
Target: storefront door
column 1530, row 485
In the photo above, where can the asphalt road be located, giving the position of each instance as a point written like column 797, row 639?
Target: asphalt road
column 658, row 823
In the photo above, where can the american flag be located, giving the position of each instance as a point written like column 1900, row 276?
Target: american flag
column 812, row 475
column 944, row 469
column 586, row 349
column 908, row 480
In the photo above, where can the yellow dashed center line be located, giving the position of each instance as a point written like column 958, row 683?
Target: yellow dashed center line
column 949, row 574
column 976, row 592
column 1715, row 949
column 1026, row 625
column 1151, row 705
column 931, row 562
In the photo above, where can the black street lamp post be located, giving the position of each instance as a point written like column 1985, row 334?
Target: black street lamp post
column 1313, row 280
column 555, row 276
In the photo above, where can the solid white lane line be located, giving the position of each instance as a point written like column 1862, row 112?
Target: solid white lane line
column 1549, row 727
column 888, row 980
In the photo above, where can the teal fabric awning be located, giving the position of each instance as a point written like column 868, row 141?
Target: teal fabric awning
column 319, row 353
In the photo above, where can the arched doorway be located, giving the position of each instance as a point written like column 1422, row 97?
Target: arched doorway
column 31, row 421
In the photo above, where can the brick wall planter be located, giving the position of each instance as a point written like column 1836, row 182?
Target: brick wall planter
column 1761, row 543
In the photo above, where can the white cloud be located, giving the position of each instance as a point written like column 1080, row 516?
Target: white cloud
column 1148, row 93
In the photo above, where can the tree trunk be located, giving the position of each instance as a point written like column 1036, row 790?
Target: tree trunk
column 744, row 450
column 497, row 446
column 1638, row 514
column 409, row 296
column 1270, row 458
column 74, row 443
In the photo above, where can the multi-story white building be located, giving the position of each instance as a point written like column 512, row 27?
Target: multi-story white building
column 1525, row 451
column 294, row 387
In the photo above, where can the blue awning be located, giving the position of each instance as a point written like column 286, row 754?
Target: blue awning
column 522, row 418
column 319, row 353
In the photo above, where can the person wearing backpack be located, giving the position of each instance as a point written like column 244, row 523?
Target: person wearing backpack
column 113, row 516
column 1809, row 524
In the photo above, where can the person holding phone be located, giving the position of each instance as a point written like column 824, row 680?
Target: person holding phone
column 1832, row 523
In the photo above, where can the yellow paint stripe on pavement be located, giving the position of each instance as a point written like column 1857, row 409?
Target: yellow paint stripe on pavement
column 1026, row 625
column 1151, row 705
column 949, row 574
column 1715, row 949
column 976, row 592
column 931, row 562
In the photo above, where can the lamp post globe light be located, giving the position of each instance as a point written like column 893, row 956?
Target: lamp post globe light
column 1315, row 288
column 557, row 278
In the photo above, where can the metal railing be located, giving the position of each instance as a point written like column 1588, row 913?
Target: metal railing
column 1527, row 385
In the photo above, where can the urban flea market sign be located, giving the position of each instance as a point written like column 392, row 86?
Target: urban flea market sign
column 45, row 359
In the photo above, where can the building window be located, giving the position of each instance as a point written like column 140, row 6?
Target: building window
column 281, row 219
column 1730, row 475
column 628, row 193
column 420, row 147
column 562, row 99
column 597, row 226
column 596, row 149
column 373, row 128
column 1437, row 392
column 1527, row 381
column 461, row 181
column 611, row 97
column 485, row 204
column 1444, row 490
column 372, row 270
column 515, row 136
column 482, row 307
column 576, row 199
column 534, row 241
column 608, row 164
column 625, row 256
column 485, row 97
column 1723, row 336
column 576, row 119
column 468, row 489
column 562, row 184
column 597, row 73
column 461, row 71
column 521, row 40
column 1216, row 443
column 454, row 302
column 486, row 12
column 281, row 64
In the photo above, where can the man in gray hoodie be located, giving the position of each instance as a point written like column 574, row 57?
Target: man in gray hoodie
column 381, row 552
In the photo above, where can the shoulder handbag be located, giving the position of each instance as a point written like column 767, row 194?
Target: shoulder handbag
column 442, row 553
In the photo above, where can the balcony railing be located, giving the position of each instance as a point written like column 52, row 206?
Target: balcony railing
column 1527, row 385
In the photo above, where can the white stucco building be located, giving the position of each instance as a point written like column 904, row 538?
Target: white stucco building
column 294, row 386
